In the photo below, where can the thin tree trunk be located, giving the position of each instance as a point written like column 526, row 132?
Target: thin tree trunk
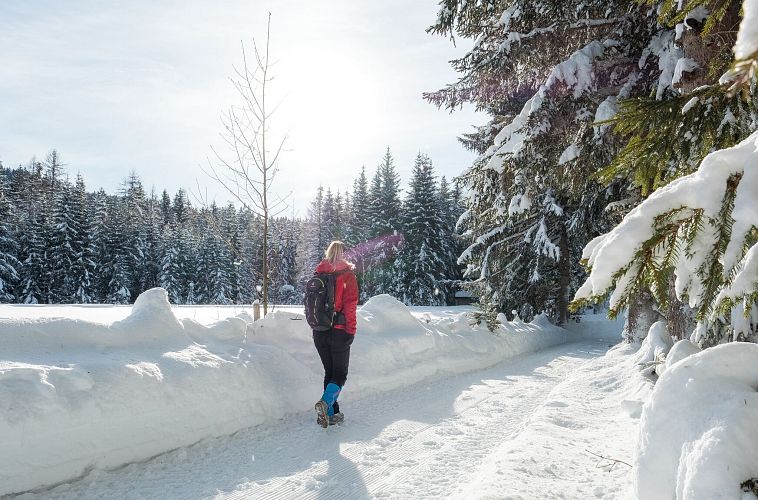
column 564, row 271
column 679, row 316
column 264, row 171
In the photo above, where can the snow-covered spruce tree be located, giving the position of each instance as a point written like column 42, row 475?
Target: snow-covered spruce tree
column 211, row 283
column 316, row 235
column 387, row 205
column 384, row 211
column 83, row 269
column 251, row 228
column 450, row 209
column 230, row 231
column 420, row 266
column 668, row 133
column 360, row 216
column 374, row 204
column 151, row 232
column 698, row 232
column 178, row 272
column 546, row 72
column 346, row 214
column 135, row 219
column 283, row 254
column 118, row 256
column 330, row 219
column 9, row 248
column 98, row 215
column 26, row 193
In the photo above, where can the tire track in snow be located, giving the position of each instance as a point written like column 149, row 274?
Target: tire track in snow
column 415, row 442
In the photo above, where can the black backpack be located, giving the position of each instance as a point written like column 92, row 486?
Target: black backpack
column 319, row 301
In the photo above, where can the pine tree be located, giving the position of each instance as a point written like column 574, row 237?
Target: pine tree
column 167, row 212
column 339, row 218
column 65, row 247
column 376, row 272
column 250, row 264
column 449, row 209
column 53, row 173
column 283, row 253
column 83, row 269
column 420, row 267
column 317, row 235
column 151, row 258
column 361, row 215
column 136, row 222
column 9, row 248
column 119, row 256
column 99, row 241
column 546, row 75
column 388, row 216
column 694, row 240
column 329, row 216
column 232, row 251
column 375, row 206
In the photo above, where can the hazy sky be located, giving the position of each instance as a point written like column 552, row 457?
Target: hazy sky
column 140, row 84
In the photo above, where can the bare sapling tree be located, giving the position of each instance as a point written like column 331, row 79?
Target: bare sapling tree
column 248, row 169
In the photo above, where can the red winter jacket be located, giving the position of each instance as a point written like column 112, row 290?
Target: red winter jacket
column 345, row 293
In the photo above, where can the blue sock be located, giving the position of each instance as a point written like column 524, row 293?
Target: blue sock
column 331, row 393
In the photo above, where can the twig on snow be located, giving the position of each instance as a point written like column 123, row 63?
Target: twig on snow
column 612, row 460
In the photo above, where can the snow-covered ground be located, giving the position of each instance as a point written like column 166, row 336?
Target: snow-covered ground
column 179, row 402
column 525, row 428
column 202, row 402
column 79, row 395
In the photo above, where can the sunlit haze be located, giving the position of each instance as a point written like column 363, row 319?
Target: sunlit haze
column 139, row 85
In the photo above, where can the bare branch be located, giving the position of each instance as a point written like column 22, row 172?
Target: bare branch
column 612, row 460
column 249, row 173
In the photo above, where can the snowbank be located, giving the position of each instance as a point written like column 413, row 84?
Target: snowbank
column 698, row 432
column 655, row 346
column 77, row 395
column 747, row 37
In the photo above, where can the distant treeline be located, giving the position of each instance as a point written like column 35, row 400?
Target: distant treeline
column 62, row 244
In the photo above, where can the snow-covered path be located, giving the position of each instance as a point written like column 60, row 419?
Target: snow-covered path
column 428, row 440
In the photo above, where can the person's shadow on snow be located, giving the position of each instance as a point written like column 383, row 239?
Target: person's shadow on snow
column 342, row 478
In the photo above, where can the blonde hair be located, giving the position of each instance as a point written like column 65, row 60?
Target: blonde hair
column 335, row 252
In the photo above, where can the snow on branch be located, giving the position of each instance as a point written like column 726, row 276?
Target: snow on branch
column 575, row 73
column 703, row 226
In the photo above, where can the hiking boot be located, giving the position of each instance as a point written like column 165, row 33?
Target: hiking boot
column 337, row 418
column 322, row 418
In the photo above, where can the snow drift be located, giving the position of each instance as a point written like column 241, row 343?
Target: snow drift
column 698, row 431
column 77, row 395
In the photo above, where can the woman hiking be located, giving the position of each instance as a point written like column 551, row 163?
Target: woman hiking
column 333, row 343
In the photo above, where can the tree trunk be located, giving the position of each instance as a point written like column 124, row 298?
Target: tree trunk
column 264, row 288
column 564, row 271
column 640, row 316
column 680, row 318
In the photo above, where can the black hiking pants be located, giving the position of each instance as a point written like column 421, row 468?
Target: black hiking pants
column 333, row 348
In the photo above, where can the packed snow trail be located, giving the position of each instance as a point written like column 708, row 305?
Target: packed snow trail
column 426, row 440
